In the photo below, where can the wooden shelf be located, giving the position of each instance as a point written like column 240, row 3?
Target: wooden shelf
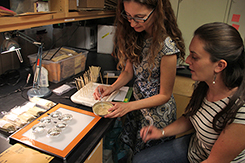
column 29, row 21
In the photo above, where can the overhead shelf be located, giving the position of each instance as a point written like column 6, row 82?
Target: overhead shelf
column 41, row 19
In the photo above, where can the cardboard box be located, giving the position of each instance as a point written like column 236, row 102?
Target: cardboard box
column 105, row 38
column 41, row 6
column 72, row 5
column 62, row 5
column 91, row 3
column 64, row 64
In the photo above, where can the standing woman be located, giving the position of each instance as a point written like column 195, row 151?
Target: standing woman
column 217, row 107
column 147, row 45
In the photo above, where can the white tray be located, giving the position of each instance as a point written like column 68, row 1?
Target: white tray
column 61, row 146
column 85, row 95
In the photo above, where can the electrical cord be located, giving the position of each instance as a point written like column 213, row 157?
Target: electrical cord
column 16, row 91
column 16, row 78
column 63, row 45
column 20, row 89
column 10, row 77
column 24, row 87
column 64, row 33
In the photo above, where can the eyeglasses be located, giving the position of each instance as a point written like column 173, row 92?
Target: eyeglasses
column 137, row 20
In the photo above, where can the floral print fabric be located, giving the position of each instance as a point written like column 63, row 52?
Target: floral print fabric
column 147, row 85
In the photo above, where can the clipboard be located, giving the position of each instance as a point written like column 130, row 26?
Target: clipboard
column 61, row 146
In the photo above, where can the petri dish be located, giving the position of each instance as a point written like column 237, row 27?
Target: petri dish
column 55, row 114
column 101, row 108
column 61, row 125
column 39, row 128
column 66, row 118
column 46, row 120
column 54, row 132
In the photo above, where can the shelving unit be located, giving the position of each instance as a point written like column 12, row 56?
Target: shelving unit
column 59, row 13
column 36, row 20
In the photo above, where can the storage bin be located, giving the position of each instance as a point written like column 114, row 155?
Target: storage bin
column 62, row 63
column 91, row 3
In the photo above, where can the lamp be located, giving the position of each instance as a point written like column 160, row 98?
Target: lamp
column 36, row 90
column 10, row 45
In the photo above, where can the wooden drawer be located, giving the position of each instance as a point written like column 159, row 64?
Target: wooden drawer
column 96, row 155
column 182, row 92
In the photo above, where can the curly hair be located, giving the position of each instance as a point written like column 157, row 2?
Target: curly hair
column 222, row 41
column 128, row 43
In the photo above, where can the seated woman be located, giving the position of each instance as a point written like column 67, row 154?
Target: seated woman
column 216, row 110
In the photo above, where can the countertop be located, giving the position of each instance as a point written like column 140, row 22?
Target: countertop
column 11, row 96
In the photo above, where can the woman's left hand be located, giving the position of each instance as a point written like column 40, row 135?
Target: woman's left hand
column 150, row 132
column 119, row 109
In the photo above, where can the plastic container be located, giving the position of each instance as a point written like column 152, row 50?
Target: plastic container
column 101, row 108
column 62, row 63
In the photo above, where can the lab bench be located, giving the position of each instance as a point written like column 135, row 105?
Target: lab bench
column 12, row 96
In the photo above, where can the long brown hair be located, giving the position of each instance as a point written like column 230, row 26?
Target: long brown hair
column 128, row 43
column 222, row 41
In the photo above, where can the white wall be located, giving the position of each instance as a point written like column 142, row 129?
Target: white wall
column 193, row 13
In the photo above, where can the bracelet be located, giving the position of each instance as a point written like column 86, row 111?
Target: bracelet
column 163, row 133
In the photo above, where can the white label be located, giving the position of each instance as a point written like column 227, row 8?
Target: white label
column 12, row 117
column 17, row 111
column 110, row 74
column 3, row 122
column 62, row 88
column 27, row 106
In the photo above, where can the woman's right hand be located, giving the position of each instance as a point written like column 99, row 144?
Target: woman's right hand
column 102, row 91
column 153, row 133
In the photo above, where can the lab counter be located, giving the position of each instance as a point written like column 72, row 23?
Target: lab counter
column 15, row 96
column 11, row 96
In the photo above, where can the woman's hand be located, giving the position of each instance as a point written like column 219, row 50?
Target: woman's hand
column 153, row 133
column 102, row 91
column 118, row 110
